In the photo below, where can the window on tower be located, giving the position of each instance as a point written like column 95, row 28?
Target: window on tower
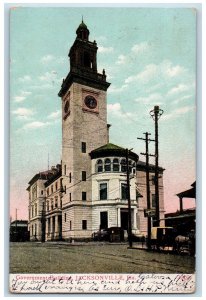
column 84, row 148
column 86, row 59
column 84, row 176
column 84, row 224
column 84, row 196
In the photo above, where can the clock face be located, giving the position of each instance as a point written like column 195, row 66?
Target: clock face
column 66, row 107
column 90, row 102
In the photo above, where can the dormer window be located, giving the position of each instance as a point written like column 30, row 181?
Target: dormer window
column 107, row 165
column 115, row 165
column 99, row 166
column 123, row 165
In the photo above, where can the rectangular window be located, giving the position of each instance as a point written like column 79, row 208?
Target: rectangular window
column 153, row 200
column 56, row 202
column 42, row 192
column 84, row 196
column 84, row 147
column 65, row 189
column 35, row 209
column 84, row 224
column 65, row 170
column 124, row 191
column 70, row 177
column 84, row 175
column 70, row 197
column 52, row 189
column 56, row 186
column 103, row 191
column 65, row 217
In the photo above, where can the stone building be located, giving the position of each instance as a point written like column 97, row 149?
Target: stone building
column 88, row 191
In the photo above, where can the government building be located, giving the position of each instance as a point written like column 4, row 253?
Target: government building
column 87, row 190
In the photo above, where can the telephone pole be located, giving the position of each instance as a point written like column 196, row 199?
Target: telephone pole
column 156, row 114
column 129, row 201
column 146, row 139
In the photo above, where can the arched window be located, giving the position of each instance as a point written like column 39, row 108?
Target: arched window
column 99, row 166
column 115, row 165
column 107, row 165
column 86, row 59
column 123, row 165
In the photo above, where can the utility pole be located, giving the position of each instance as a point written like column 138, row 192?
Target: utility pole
column 16, row 237
column 148, row 186
column 156, row 114
column 129, row 201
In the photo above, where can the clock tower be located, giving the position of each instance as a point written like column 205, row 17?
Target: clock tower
column 84, row 128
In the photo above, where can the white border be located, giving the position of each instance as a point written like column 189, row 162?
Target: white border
column 200, row 127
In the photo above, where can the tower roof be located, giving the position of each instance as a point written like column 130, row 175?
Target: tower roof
column 112, row 150
column 82, row 31
column 82, row 25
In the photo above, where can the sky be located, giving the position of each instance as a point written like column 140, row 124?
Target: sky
column 149, row 56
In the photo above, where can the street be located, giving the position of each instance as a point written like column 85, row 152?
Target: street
column 93, row 258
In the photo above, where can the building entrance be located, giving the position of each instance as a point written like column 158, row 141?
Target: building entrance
column 124, row 219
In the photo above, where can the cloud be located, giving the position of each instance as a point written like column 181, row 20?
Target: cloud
column 137, row 49
column 19, row 98
column 153, row 98
column 35, row 124
column 47, row 58
column 115, row 89
column 177, row 113
column 178, row 89
column 23, row 113
column 140, row 48
column 48, row 76
column 25, row 78
column 145, row 76
column 117, row 111
column 165, row 70
column 122, row 59
column 23, row 95
column 182, row 99
column 54, row 115
column 102, row 49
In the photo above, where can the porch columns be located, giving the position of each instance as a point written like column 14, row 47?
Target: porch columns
column 181, row 204
column 118, row 217
column 47, row 228
column 135, row 218
column 56, row 235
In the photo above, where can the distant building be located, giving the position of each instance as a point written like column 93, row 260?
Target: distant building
column 19, row 231
column 183, row 222
column 87, row 191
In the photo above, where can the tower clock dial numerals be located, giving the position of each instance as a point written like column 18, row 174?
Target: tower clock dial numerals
column 90, row 102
